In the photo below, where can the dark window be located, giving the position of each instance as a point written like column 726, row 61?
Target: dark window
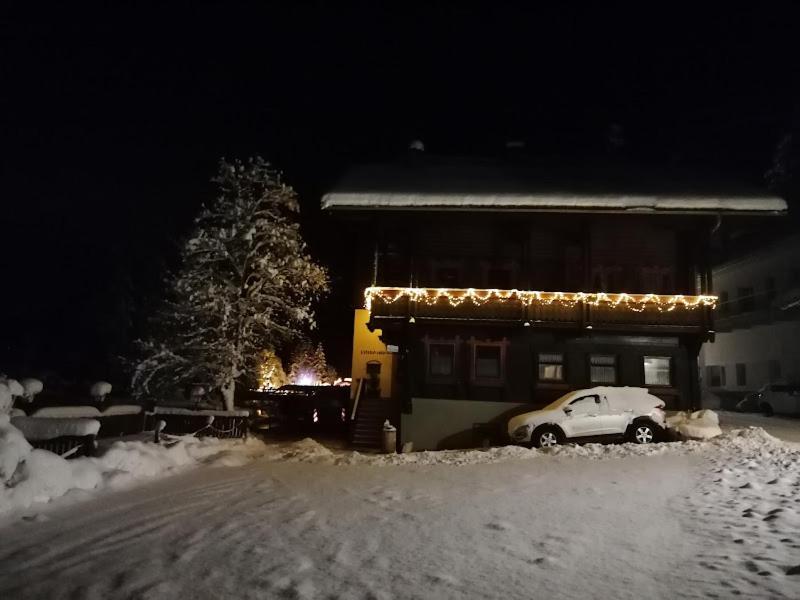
column 724, row 305
column 487, row 362
column 769, row 289
column 745, row 299
column 715, row 375
column 551, row 367
column 774, row 367
column 441, row 361
column 447, row 277
column 658, row 370
column 603, row 368
column 741, row 374
column 498, row 279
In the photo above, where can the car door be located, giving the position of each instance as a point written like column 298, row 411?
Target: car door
column 583, row 416
column 613, row 416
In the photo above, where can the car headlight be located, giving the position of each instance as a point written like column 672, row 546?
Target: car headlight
column 521, row 432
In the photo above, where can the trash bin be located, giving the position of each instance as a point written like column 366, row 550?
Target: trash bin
column 389, row 445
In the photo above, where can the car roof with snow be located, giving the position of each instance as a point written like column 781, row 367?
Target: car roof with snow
column 634, row 397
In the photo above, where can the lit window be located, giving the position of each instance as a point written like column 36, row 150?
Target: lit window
column 657, row 370
column 441, row 360
column 603, row 368
column 551, row 367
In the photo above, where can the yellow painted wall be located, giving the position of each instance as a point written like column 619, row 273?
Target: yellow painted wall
column 367, row 346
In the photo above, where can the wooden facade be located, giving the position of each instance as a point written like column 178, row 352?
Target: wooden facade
column 516, row 305
column 592, row 254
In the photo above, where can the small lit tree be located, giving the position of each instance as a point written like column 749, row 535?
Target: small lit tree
column 271, row 373
column 308, row 365
column 245, row 283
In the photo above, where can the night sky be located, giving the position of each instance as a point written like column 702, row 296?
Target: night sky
column 113, row 119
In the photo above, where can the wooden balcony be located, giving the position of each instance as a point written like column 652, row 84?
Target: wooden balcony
column 578, row 310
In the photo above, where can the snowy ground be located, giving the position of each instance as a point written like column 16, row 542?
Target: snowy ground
column 784, row 428
column 697, row 520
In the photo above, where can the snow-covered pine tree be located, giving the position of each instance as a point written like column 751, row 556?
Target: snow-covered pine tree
column 245, row 283
column 308, row 363
column 271, row 373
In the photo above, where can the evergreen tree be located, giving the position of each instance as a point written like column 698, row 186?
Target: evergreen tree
column 308, row 365
column 271, row 373
column 245, row 283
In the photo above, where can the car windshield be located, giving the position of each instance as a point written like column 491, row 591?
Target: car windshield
column 561, row 400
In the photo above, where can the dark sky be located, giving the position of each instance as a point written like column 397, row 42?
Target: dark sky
column 112, row 120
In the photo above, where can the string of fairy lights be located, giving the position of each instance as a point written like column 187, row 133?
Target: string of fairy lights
column 457, row 296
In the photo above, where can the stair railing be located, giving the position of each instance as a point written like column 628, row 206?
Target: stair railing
column 359, row 390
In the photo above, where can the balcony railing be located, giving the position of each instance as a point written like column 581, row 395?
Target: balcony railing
column 545, row 309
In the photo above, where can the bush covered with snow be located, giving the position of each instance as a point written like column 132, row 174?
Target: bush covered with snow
column 29, row 475
column 99, row 390
column 31, row 387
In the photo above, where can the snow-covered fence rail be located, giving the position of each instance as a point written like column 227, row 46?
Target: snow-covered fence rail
column 61, row 435
column 181, row 421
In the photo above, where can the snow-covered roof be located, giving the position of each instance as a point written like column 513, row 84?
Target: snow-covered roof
column 448, row 184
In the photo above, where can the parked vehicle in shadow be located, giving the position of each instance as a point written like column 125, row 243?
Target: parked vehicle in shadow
column 773, row 399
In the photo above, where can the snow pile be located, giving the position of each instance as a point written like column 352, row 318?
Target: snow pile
column 30, row 475
column 36, row 428
column 99, row 390
column 306, row 450
column 699, row 425
column 6, row 399
column 31, row 387
column 441, row 457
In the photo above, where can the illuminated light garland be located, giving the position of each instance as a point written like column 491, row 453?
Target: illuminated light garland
column 457, row 296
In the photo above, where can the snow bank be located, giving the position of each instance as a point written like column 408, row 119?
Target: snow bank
column 67, row 412
column 121, row 409
column 37, row 428
column 30, row 476
column 699, row 425
column 6, row 399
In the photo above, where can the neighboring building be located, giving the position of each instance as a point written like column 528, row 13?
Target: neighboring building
column 758, row 323
column 499, row 287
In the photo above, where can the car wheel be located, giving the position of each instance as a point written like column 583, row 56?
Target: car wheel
column 642, row 433
column 766, row 410
column 547, row 437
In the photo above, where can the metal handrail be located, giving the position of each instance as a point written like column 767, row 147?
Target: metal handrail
column 356, row 399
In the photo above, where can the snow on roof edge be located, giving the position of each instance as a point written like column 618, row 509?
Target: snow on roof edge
column 384, row 200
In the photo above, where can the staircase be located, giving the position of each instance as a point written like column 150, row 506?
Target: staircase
column 366, row 429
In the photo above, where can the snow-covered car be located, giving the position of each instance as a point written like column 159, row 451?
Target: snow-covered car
column 773, row 398
column 627, row 412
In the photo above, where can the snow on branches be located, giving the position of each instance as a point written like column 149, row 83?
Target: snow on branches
column 245, row 283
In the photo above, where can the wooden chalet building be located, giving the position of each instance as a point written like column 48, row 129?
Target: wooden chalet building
column 494, row 287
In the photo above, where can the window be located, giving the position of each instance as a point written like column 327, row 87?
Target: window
column 487, row 362
column 715, row 376
column 603, row 368
column 584, row 405
column 657, row 370
column 746, row 299
column 741, row 374
column 498, row 278
column 551, row 367
column 441, row 360
column 446, row 277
